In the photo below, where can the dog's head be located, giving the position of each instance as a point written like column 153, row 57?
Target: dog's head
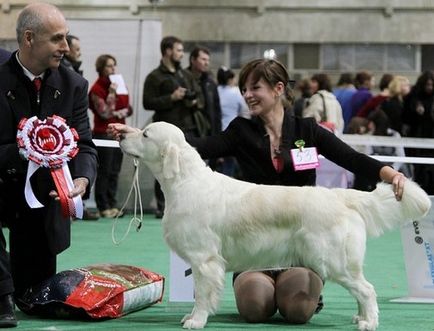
column 159, row 146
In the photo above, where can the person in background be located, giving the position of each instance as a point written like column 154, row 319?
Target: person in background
column 4, row 55
column 419, row 122
column 305, row 93
column 108, row 106
column 323, row 105
column 175, row 97
column 199, row 67
column 71, row 60
column 375, row 102
column 34, row 84
column 364, row 83
column 393, row 107
column 232, row 105
column 378, row 125
column 344, row 92
column 262, row 148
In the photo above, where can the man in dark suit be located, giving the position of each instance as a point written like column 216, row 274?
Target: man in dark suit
column 38, row 235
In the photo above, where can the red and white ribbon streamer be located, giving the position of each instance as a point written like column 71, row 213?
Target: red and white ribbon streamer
column 50, row 143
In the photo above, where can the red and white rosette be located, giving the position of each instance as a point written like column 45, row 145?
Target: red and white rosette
column 50, row 143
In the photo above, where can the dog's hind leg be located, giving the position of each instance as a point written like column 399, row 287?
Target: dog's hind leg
column 209, row 278
column 366, row 297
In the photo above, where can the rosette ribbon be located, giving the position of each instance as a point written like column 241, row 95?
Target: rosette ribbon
column 50, row 143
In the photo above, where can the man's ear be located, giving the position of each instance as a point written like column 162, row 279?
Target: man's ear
column 28, row 38
column 170, row 156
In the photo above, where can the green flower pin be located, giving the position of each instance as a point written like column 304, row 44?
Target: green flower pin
column 299, row 144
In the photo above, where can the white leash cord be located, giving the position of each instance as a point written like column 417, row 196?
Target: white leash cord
column 137, row 201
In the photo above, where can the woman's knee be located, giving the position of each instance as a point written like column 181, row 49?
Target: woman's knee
column 254, row 294
column 297, row 294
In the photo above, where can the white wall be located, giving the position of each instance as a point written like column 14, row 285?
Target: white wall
column 134, row 43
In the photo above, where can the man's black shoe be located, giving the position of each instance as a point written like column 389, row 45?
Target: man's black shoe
column 90, row 216
column 7, row 312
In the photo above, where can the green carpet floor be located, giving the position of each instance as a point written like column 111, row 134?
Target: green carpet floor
column 92, row 243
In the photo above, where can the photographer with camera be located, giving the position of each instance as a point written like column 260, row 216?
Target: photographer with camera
column 175, row 96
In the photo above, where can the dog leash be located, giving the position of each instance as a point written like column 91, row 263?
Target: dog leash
column 137, row 202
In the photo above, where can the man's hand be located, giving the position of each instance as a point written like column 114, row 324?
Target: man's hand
column 178, row 94
column 80, row 185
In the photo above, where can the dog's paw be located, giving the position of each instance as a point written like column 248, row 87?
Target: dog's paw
column 186, row 317
column 191, row 323
column 356, row 319
column 368, row 325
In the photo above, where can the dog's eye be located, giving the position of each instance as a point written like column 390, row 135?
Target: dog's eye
column 144, row 134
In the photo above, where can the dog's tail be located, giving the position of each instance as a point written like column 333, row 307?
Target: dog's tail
column 381, row 211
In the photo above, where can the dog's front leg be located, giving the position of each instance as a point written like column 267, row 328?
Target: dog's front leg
column 209, row 280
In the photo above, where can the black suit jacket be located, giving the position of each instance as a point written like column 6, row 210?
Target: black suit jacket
column 64, row 93
column 248, row 142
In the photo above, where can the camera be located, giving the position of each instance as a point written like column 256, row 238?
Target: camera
column 190, row 95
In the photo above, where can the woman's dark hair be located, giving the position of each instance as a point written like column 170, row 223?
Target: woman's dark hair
column 385, row 81
column 323, row 81
column 271, row 71
column 101, row 62
column 381, row 121
column 419, row 87
column 224, row 75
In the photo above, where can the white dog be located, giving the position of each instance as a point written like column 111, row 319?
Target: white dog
column 220, row 224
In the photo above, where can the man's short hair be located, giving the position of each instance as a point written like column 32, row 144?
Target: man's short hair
column 196, row 50
column 168, row 43
column 28, row 19
column 70, row 38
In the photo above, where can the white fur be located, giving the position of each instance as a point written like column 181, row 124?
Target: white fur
column 220, row 224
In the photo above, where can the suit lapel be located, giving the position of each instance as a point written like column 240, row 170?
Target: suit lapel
column 18, row 99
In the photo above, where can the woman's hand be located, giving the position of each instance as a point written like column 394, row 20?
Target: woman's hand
column 116, row 130
column 112, row 88
column 397, row 179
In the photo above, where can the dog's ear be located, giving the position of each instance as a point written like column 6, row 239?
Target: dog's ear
column 170, row 156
